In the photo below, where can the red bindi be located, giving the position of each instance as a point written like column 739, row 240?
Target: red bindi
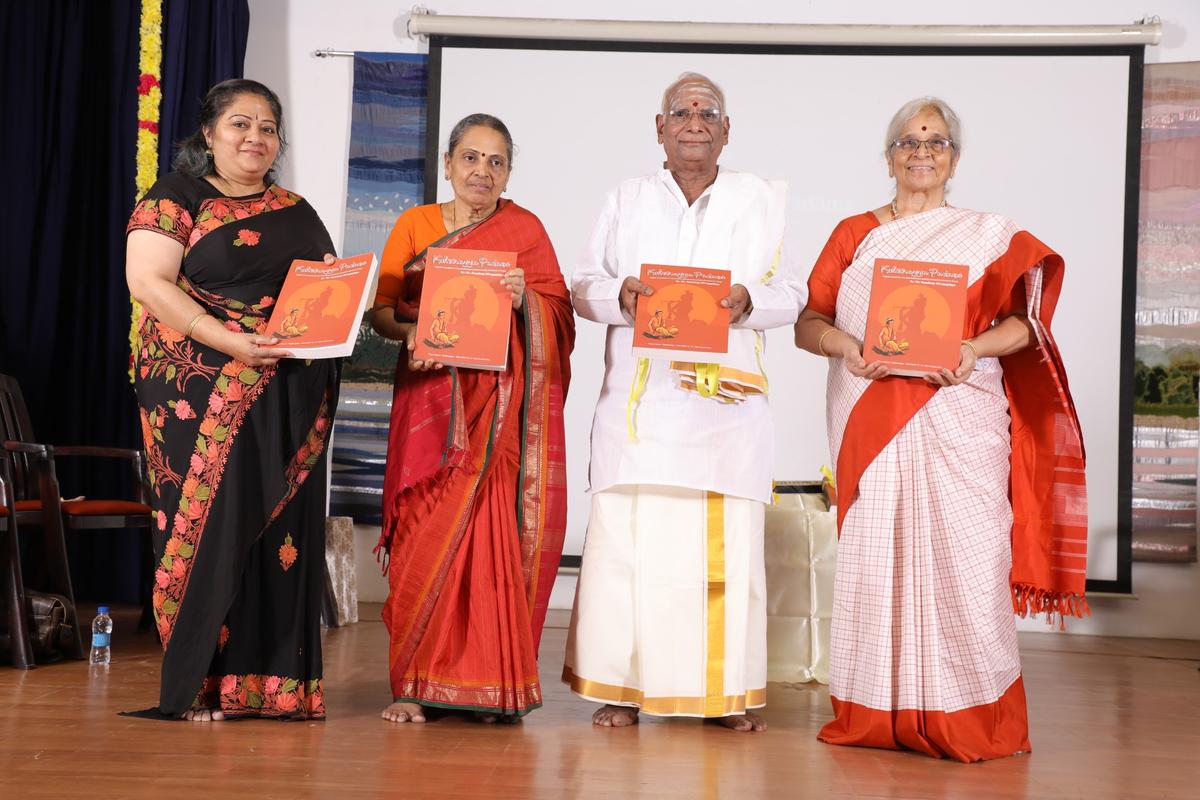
column 695, row 104
column 923, row 128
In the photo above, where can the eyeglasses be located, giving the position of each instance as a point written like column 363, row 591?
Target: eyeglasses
column 681, row 116
column 935, row 146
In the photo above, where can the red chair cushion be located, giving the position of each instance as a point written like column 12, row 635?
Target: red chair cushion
column 104, row 508
column 90, row 508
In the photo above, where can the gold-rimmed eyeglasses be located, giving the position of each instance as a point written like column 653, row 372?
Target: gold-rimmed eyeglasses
column 935, row 147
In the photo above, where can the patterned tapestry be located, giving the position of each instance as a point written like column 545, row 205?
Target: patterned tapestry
column 1167, row 348
column 386, row 172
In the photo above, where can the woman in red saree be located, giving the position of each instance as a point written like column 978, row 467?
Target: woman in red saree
column 474, row 501
column 961, row 495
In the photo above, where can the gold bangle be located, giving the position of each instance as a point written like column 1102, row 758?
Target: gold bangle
column 195, row 321
column 821, row 341
column 973, row 350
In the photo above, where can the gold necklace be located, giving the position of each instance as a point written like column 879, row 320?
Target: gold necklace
column 454, row 215
column 896, row 215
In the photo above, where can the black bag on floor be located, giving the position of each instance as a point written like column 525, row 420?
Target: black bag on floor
column 50, row 633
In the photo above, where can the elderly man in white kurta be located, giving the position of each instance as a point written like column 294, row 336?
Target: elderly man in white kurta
column 670, row 614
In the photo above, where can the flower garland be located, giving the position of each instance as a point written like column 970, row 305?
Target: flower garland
column 149, row 101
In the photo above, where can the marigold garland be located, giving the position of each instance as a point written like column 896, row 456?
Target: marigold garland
column 149, row 102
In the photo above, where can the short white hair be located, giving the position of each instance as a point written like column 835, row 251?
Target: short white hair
column 686, row 79
column 914, row 107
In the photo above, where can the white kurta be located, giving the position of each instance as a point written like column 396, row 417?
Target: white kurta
column 684, row 439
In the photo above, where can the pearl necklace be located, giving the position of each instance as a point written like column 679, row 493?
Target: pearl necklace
column 896, row 214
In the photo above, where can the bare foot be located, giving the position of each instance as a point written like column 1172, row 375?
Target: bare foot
column 486, row 717
column 741, row 722
column 615, row 716
column 404, row 712
column 203, row 715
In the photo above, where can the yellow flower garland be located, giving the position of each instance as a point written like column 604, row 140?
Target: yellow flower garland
column 149, row 102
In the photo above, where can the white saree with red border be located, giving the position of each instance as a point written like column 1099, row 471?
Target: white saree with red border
column 957, row 505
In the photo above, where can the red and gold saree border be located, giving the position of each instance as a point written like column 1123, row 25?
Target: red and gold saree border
column 541, row 509
column 511, row 698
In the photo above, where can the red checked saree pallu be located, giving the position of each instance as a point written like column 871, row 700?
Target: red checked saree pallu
column 957, row 505
column 475, row 490
column 235, row 457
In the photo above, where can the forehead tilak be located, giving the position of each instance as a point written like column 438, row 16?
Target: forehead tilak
column 695, row 87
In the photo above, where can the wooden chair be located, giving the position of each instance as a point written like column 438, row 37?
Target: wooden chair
column 21, row 652
column 38, row 502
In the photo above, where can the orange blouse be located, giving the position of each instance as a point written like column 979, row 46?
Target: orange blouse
column 416, row 229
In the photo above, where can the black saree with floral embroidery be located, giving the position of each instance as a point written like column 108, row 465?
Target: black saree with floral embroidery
column 235, row 456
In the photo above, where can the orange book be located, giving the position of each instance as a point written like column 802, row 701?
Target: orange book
column 466, row 315
column 684, row 314
column 915, row 320
column 321, row 306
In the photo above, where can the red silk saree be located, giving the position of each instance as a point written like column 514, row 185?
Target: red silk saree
column 475, row 489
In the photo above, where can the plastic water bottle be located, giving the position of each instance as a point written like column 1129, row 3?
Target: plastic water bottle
column 101, row 636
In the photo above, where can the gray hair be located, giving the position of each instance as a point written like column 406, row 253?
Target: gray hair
column 691, row 77
column 914, row 107
column 481, row 120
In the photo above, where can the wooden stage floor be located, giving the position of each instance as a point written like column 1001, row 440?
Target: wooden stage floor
column 1111, row 718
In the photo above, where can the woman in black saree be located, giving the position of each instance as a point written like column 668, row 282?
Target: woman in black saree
column 234, row 431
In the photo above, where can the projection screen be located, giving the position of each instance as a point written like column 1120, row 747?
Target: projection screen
column 1051, row 138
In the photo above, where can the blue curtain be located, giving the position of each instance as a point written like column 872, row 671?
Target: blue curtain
column 203, row 43
column 386, row 175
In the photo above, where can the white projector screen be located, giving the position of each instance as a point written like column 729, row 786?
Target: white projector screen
column 1046, row 140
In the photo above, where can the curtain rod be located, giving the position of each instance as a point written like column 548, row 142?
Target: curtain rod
column 424, row 23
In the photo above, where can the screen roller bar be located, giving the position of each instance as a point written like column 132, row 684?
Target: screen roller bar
column 1147, row 31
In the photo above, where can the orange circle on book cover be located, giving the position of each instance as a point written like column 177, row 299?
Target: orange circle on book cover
column 327, row 298
column 918, row 309
column 471, row 299
column 700, row 306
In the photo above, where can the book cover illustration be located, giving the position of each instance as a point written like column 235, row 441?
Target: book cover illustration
column 915, row 320
column 465, row 316
column 321, row 305
column 684, row 316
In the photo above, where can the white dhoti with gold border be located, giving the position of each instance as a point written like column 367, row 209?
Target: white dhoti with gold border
column 670, row 611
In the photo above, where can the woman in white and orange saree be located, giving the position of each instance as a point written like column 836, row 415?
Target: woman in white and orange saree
column 962, row 494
